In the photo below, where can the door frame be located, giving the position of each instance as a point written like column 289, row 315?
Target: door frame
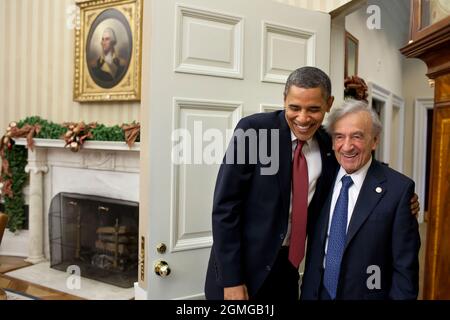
column 390, row 101
column 421, row 106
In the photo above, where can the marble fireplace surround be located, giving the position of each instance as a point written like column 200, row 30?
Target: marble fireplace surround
column 108, row 169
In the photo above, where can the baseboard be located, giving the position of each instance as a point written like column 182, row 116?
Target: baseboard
column 139, row 293
column 15, row 244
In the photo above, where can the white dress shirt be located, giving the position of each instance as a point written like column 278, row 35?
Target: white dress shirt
column 311, row 151
column 353, row 193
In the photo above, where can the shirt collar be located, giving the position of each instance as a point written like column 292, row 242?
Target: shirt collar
column 294, row 139
column 357, row 176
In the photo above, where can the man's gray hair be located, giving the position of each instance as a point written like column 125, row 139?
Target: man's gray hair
column 351, row 106
column 309, row 77
column 112, row 34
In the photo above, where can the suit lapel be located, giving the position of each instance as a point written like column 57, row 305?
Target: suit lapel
column 372, row 191
column 324, row 219
column 285, row 167
column 329, row 165
column 327, row 176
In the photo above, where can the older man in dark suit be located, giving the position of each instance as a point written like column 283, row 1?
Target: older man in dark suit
column 365, row 244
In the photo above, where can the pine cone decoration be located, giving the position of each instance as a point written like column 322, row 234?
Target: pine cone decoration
column 356, row 88
column 76, row 134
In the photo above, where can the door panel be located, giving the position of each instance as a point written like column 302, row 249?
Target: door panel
column 284, row 49
column 204, row 121
column 223, row 34
column 206, row 64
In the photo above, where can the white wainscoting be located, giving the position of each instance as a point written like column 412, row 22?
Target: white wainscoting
column 269, row 107
column 191, row 207
column 224, row 34
column 285, row 49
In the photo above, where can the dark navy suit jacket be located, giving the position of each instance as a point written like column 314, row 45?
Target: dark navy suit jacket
column 250, row 210
column 382, row 233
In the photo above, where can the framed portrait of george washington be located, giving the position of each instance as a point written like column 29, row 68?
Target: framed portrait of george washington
column 108, row 51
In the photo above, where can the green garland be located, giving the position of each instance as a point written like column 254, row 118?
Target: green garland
column 14, row 207
column 17, row 158
column 49, row 130
column 104, row 133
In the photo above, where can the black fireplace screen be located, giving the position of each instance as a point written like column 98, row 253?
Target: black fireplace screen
column 97, row 234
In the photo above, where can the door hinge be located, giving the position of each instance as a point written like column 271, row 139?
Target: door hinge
column 142, row 259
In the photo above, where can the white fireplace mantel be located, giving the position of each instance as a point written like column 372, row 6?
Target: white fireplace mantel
column 88, row 145
column 103, row 168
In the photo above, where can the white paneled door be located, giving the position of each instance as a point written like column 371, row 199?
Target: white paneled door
column 206, row 64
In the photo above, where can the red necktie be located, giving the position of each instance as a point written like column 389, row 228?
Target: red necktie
column 299, row 213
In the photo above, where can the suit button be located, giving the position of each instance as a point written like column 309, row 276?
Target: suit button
column 268, row 268
column 281, row 236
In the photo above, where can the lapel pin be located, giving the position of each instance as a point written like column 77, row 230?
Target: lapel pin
column 378, row 190
column 328, row 154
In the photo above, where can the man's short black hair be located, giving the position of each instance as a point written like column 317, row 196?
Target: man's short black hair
column 309, row 77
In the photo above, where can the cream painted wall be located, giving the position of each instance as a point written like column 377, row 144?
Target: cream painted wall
column 36, row 67
column 415, row 85
column 36, row 64
column 380, row 60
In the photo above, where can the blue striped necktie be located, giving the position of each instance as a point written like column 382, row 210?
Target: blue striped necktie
column 336, row 239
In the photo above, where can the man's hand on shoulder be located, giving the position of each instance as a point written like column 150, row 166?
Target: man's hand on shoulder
column 236, row 293
column 415, row 205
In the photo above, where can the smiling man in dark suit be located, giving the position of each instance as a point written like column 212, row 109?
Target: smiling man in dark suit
column 365, row 243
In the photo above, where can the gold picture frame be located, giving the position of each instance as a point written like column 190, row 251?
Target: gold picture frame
column 108, row 51
column 351, row 55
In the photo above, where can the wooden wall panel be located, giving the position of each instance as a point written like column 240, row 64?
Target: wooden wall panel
column 433, row 47
column 437, row 278
column 442, row 88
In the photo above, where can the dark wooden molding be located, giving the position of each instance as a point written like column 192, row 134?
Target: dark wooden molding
column 417, row 32
column 433, row 49
column 431, row 41
column 432, row 45
column 436, row 276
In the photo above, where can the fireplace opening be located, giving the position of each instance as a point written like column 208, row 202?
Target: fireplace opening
column 98, row 235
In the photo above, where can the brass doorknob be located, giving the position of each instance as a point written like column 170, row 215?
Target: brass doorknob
column 162, row 268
